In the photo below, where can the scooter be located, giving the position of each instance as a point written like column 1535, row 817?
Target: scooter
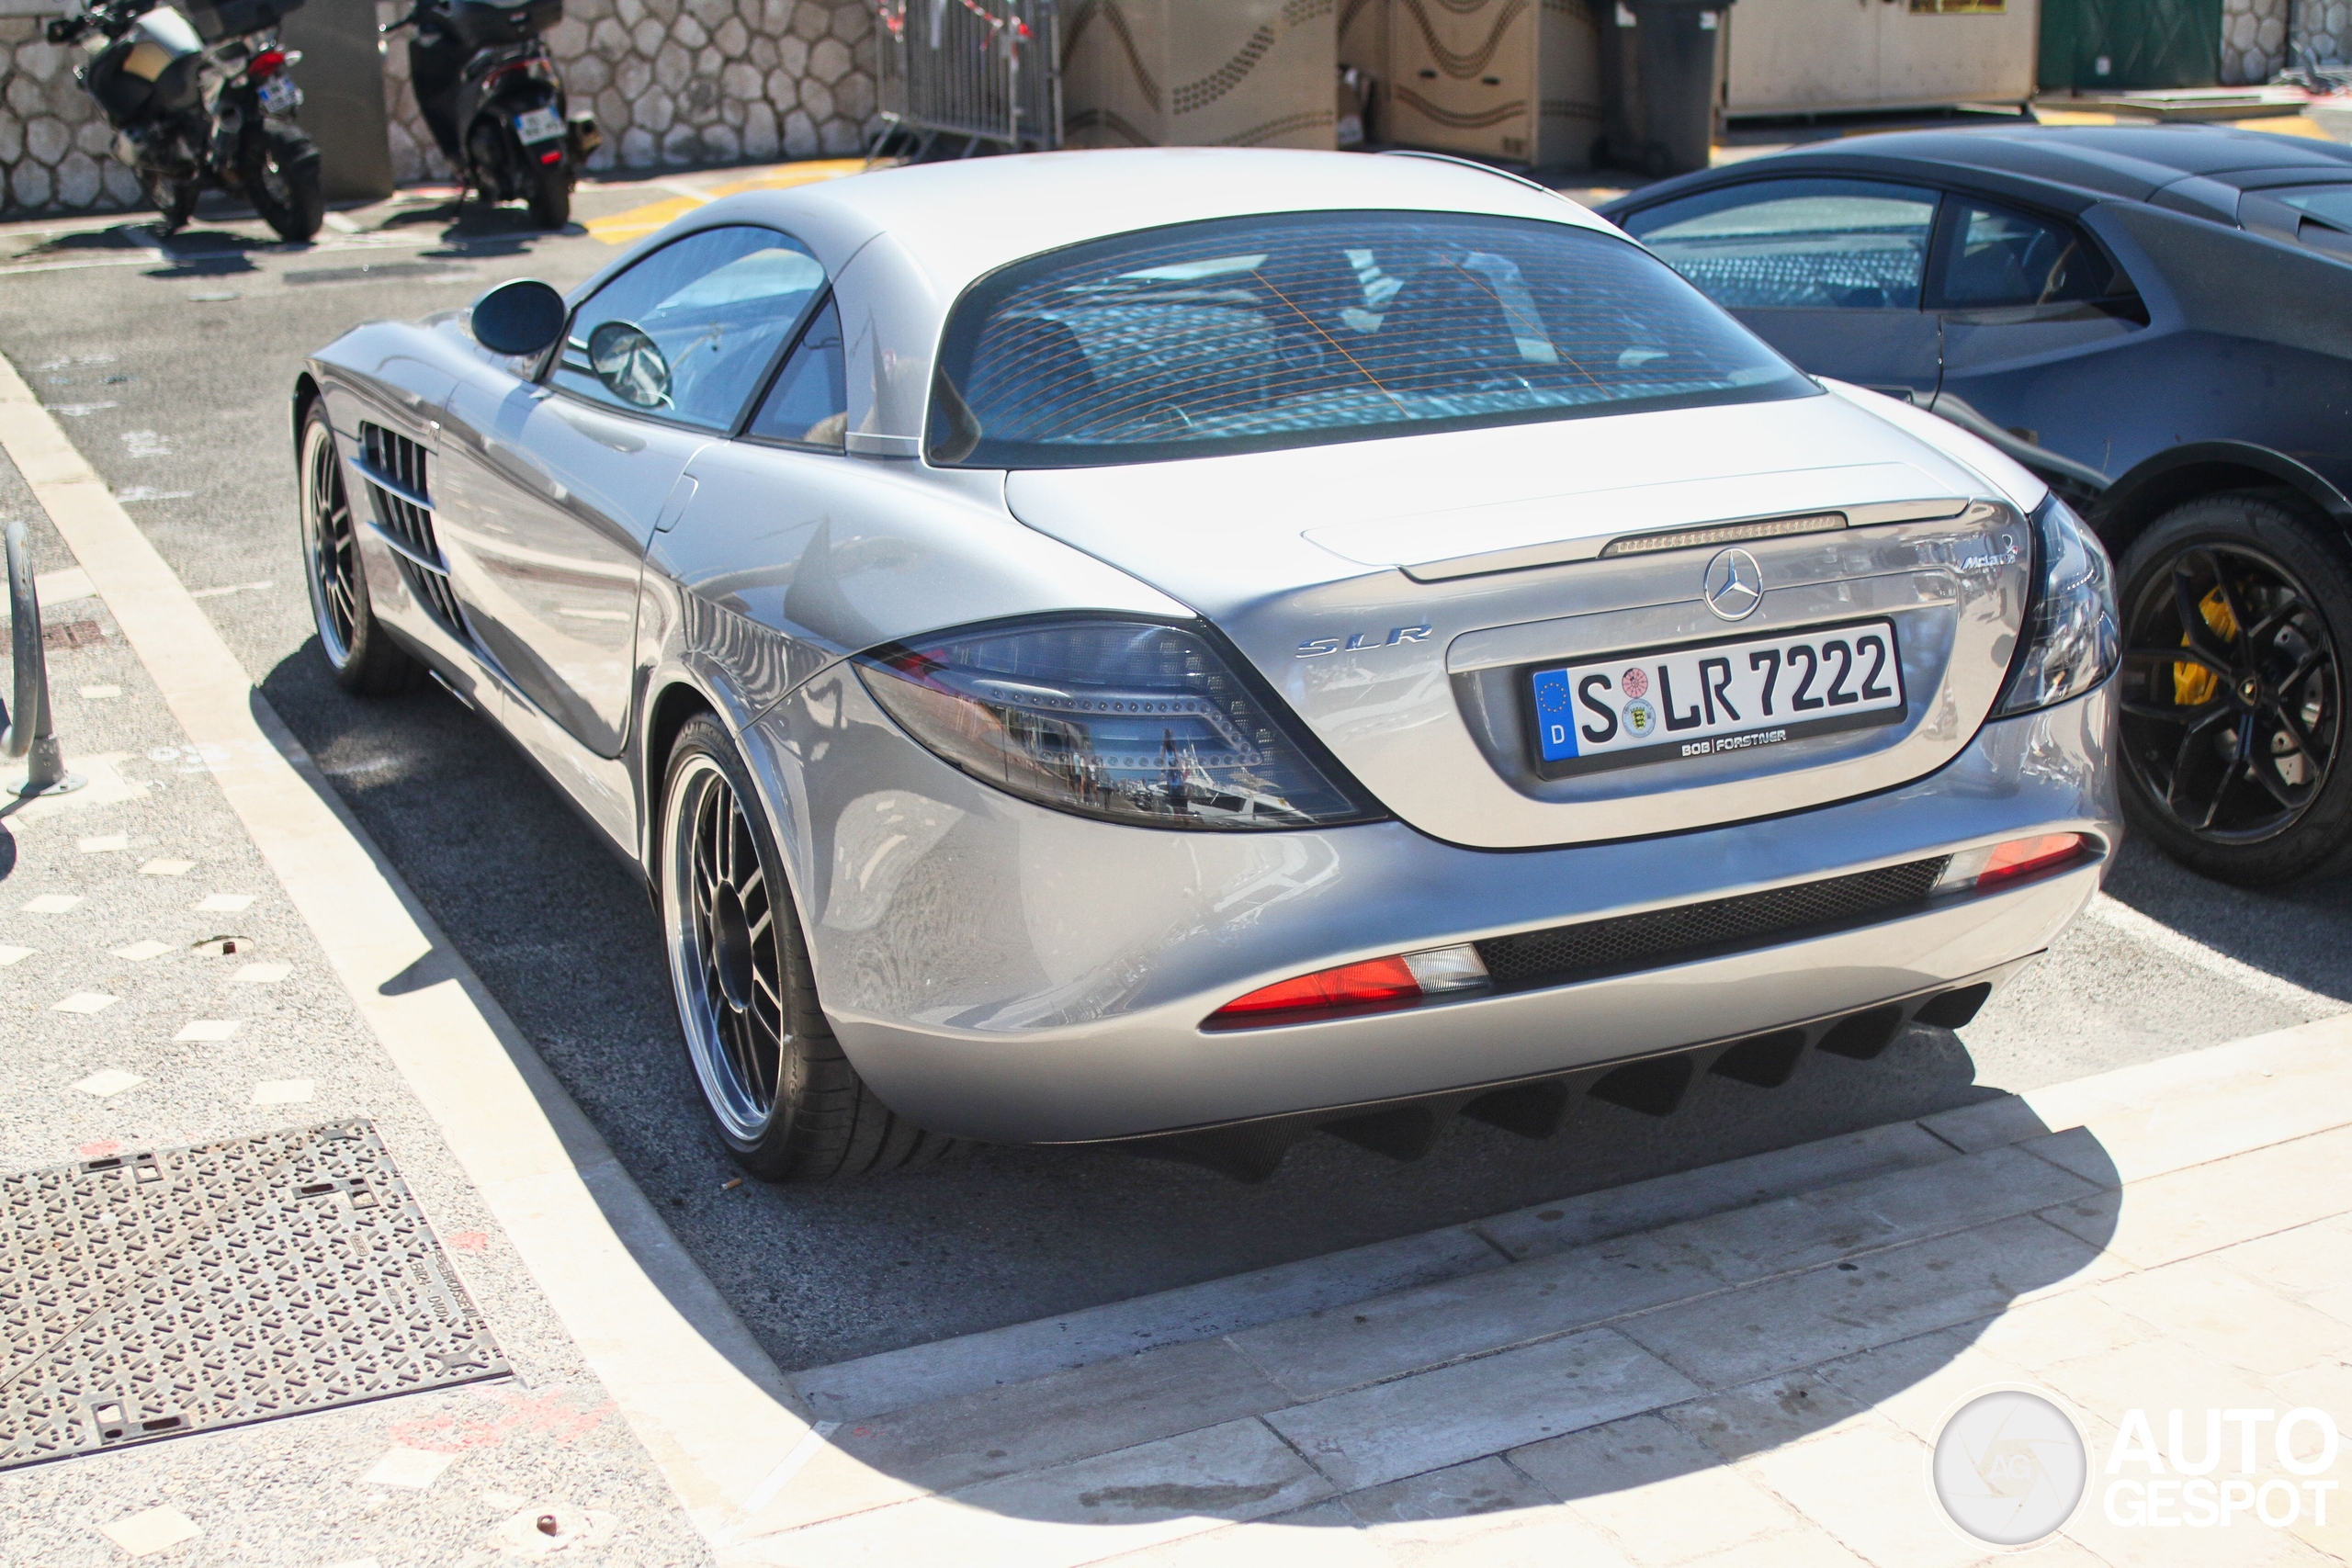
column 494, row 101
column 192, row 111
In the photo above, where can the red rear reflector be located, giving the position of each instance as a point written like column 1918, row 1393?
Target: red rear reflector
column 552, row 156
column 2023, row 857
column 1377, row 982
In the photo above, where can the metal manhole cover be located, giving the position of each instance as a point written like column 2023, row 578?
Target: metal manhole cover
column 152, row 1294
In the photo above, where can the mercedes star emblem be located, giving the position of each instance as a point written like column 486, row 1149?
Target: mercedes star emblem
column 1733, row 585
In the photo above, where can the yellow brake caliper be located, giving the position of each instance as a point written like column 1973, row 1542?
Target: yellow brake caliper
column 2193, row 685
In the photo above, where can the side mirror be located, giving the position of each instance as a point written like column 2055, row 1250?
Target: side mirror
column 518, row 317
column 629, row 364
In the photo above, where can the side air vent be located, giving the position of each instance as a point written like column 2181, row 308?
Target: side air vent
column 398, row 484
column 1594, row 948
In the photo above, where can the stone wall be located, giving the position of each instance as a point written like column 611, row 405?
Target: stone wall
column 2253, row 36
column 680, row 81
column 672, row 82
column 53, row 142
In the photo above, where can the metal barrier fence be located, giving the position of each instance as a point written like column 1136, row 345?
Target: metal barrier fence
column 986, row 76
column 29, row 734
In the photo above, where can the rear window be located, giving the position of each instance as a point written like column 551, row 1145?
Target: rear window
column 1249, row 335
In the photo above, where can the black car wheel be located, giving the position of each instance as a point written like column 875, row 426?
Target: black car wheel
column 361, row 653
column 787, row 1101
column 2236, row 611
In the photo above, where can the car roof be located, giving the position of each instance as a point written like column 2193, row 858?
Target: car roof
column 2133, row 162
column 958, row 220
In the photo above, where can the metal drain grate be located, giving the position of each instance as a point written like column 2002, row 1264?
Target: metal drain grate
column 153, row 1294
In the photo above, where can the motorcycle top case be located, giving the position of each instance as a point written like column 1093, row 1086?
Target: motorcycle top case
column 236, row 18
column 481, row 23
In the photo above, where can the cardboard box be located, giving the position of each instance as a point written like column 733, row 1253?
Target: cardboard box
column 1200, row 74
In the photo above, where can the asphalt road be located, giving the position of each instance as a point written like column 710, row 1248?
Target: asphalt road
column 170, row 369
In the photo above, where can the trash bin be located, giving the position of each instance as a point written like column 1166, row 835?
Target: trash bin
column 1658, row 72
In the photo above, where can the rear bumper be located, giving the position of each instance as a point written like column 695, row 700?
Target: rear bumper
column 1002, row 972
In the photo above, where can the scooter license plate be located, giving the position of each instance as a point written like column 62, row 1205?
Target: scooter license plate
column 279, row 95
column 538, row 125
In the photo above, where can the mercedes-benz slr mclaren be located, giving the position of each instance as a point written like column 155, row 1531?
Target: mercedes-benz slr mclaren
column 1193, row 645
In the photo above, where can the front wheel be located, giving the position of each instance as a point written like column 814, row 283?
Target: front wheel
column 279, row 169
column 550, row 194
column 174, row 200
column 361, row 653
column 2235, row 612
column 787, row 1101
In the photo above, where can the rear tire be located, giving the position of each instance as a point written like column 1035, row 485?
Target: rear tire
column 279, row 169
column 366, row 661
column 550, row 195
column 780, row 1092
column 2234, row 755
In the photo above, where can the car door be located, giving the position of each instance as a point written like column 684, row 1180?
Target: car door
column 1828, row 270
column 555, row 487
column 2030, row 305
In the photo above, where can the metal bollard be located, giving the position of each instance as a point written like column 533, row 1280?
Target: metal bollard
column 29, row 734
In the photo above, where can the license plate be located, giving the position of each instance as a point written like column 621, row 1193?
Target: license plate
column 1725, row 696
column 279, row 95
column 538, row 125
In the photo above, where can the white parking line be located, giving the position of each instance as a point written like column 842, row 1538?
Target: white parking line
column 692, row 1382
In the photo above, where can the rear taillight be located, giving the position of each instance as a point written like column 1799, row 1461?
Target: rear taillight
column 1376, row 985
column 1997, row 863
column 265, row 64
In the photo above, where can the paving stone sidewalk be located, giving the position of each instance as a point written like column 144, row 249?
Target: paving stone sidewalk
column 1756, row 1383
column 159, row 992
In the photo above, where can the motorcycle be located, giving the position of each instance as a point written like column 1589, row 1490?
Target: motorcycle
column 202, row 103
column 492, row 96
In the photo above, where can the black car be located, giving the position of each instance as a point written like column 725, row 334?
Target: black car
column 2157, row 320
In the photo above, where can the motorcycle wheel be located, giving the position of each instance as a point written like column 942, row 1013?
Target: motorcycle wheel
column 279, row 170
column 174, row 200
column 550, row 195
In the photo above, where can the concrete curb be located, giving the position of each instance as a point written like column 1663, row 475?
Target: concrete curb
column 1853, row 1246
column 695, row 1386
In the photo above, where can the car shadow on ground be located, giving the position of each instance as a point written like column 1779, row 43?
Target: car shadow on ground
column 564, row 936
column 2297, row 933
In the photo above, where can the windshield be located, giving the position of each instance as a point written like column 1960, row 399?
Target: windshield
column 1247, row 334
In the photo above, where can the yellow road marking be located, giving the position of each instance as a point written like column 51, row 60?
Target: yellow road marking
column 622, row 228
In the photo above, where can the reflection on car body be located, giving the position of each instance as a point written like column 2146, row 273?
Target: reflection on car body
column 1083, row 625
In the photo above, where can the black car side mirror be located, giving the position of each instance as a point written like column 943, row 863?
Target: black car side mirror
column 518, row 317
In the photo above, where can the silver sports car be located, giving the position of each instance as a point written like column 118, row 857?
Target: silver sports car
column 1199, row 645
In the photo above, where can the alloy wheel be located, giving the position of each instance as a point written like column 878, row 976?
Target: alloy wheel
column 725, row 960
column 2232, row 706
column 331, row 548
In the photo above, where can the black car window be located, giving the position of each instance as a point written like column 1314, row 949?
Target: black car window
column 1849, row 244
column 809, row 404
column 1995, row 255
column 2327, row 215
column 686, row 333
column 1301, row 328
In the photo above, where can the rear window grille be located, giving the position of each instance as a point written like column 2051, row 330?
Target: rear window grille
column 403, row 461
column 1630, row 943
